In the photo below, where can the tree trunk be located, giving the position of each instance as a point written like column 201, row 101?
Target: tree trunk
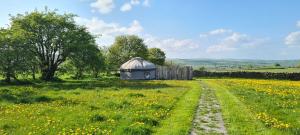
column 96, row 74
column 7, row 77
column 48, row 73
column 15, row 77
column 33, row 73
column 79, row 74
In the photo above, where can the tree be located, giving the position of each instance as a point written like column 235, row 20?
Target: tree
column 13, row 54
column 277, row 65
column 51, row 37
column 98, row 63
column 156, row 56
column 87, row 57
column 202, row 69
column 124, row 48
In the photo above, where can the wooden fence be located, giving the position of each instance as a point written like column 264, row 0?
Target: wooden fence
column 174, row 72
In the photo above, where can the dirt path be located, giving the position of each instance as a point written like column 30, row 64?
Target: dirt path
column 208, row 119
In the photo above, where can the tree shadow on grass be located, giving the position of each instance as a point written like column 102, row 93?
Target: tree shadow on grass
column 114, row 84
column 24, row 96
column 96, row 84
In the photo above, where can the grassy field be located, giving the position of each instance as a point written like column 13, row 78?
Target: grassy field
column 99, row 107
column 115, row 107
column 259, row 106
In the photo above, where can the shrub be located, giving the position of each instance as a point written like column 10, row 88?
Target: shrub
column 147, row 120
column 136, row 95
column 98, row 118
column 122, row 105
column 92, row 107
column 157, row 106
column 42, row 99
column 117, row 117
column 7, row 95
column 136, row 129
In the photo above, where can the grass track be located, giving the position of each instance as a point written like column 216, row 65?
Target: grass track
column 238, row 119
column 208, row 119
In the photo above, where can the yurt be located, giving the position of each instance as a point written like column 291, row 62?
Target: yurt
column 137, row 69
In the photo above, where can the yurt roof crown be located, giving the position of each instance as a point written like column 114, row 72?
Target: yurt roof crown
column 137, row 63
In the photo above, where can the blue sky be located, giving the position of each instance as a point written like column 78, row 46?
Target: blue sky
column 248, row 29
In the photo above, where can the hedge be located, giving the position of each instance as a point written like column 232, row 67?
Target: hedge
column 244, row 74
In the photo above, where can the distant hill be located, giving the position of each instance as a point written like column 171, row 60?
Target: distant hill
column 233, row 63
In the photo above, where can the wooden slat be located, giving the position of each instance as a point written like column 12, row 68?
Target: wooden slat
column 174, row 73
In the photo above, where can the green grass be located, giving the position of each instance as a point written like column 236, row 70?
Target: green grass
column 183, row 113
column 113, row 106
column 108, row 106
column 259, row 106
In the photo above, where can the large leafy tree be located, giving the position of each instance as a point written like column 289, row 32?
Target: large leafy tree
column 124, row 48
column 14, row 57
column 156, row 56
column 51, row 37
column 98, row 63
column 86, row 58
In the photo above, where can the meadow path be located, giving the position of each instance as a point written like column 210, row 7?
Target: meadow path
column 208, row 118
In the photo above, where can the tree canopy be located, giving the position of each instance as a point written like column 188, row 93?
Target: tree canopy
column 87, row 57
column 51, row 37
column 14, row 57
column 156, row 56
column 124, row 48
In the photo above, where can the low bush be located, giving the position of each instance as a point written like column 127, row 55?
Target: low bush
column 24, row 96
column 98, row 118
column 136, row 129
column 136, row 95
column 147, row 120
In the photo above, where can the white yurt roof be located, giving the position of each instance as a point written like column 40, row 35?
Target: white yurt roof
column 137, row 63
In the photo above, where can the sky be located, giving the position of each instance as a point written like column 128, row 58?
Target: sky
column 248, row 29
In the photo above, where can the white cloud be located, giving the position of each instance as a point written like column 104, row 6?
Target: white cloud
column 172, row 46
column 98, row 26
column 213, row 45
column 298, row 24
column 228, row 44
column 135, row 28
column 146, row 3
column 103, row 6
column 129, row 5
column 293, row 38
column 226, row 40
column 108, row 31
column 135, row 2
column 220, row 31
column 216, row 32
column 126, row 7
